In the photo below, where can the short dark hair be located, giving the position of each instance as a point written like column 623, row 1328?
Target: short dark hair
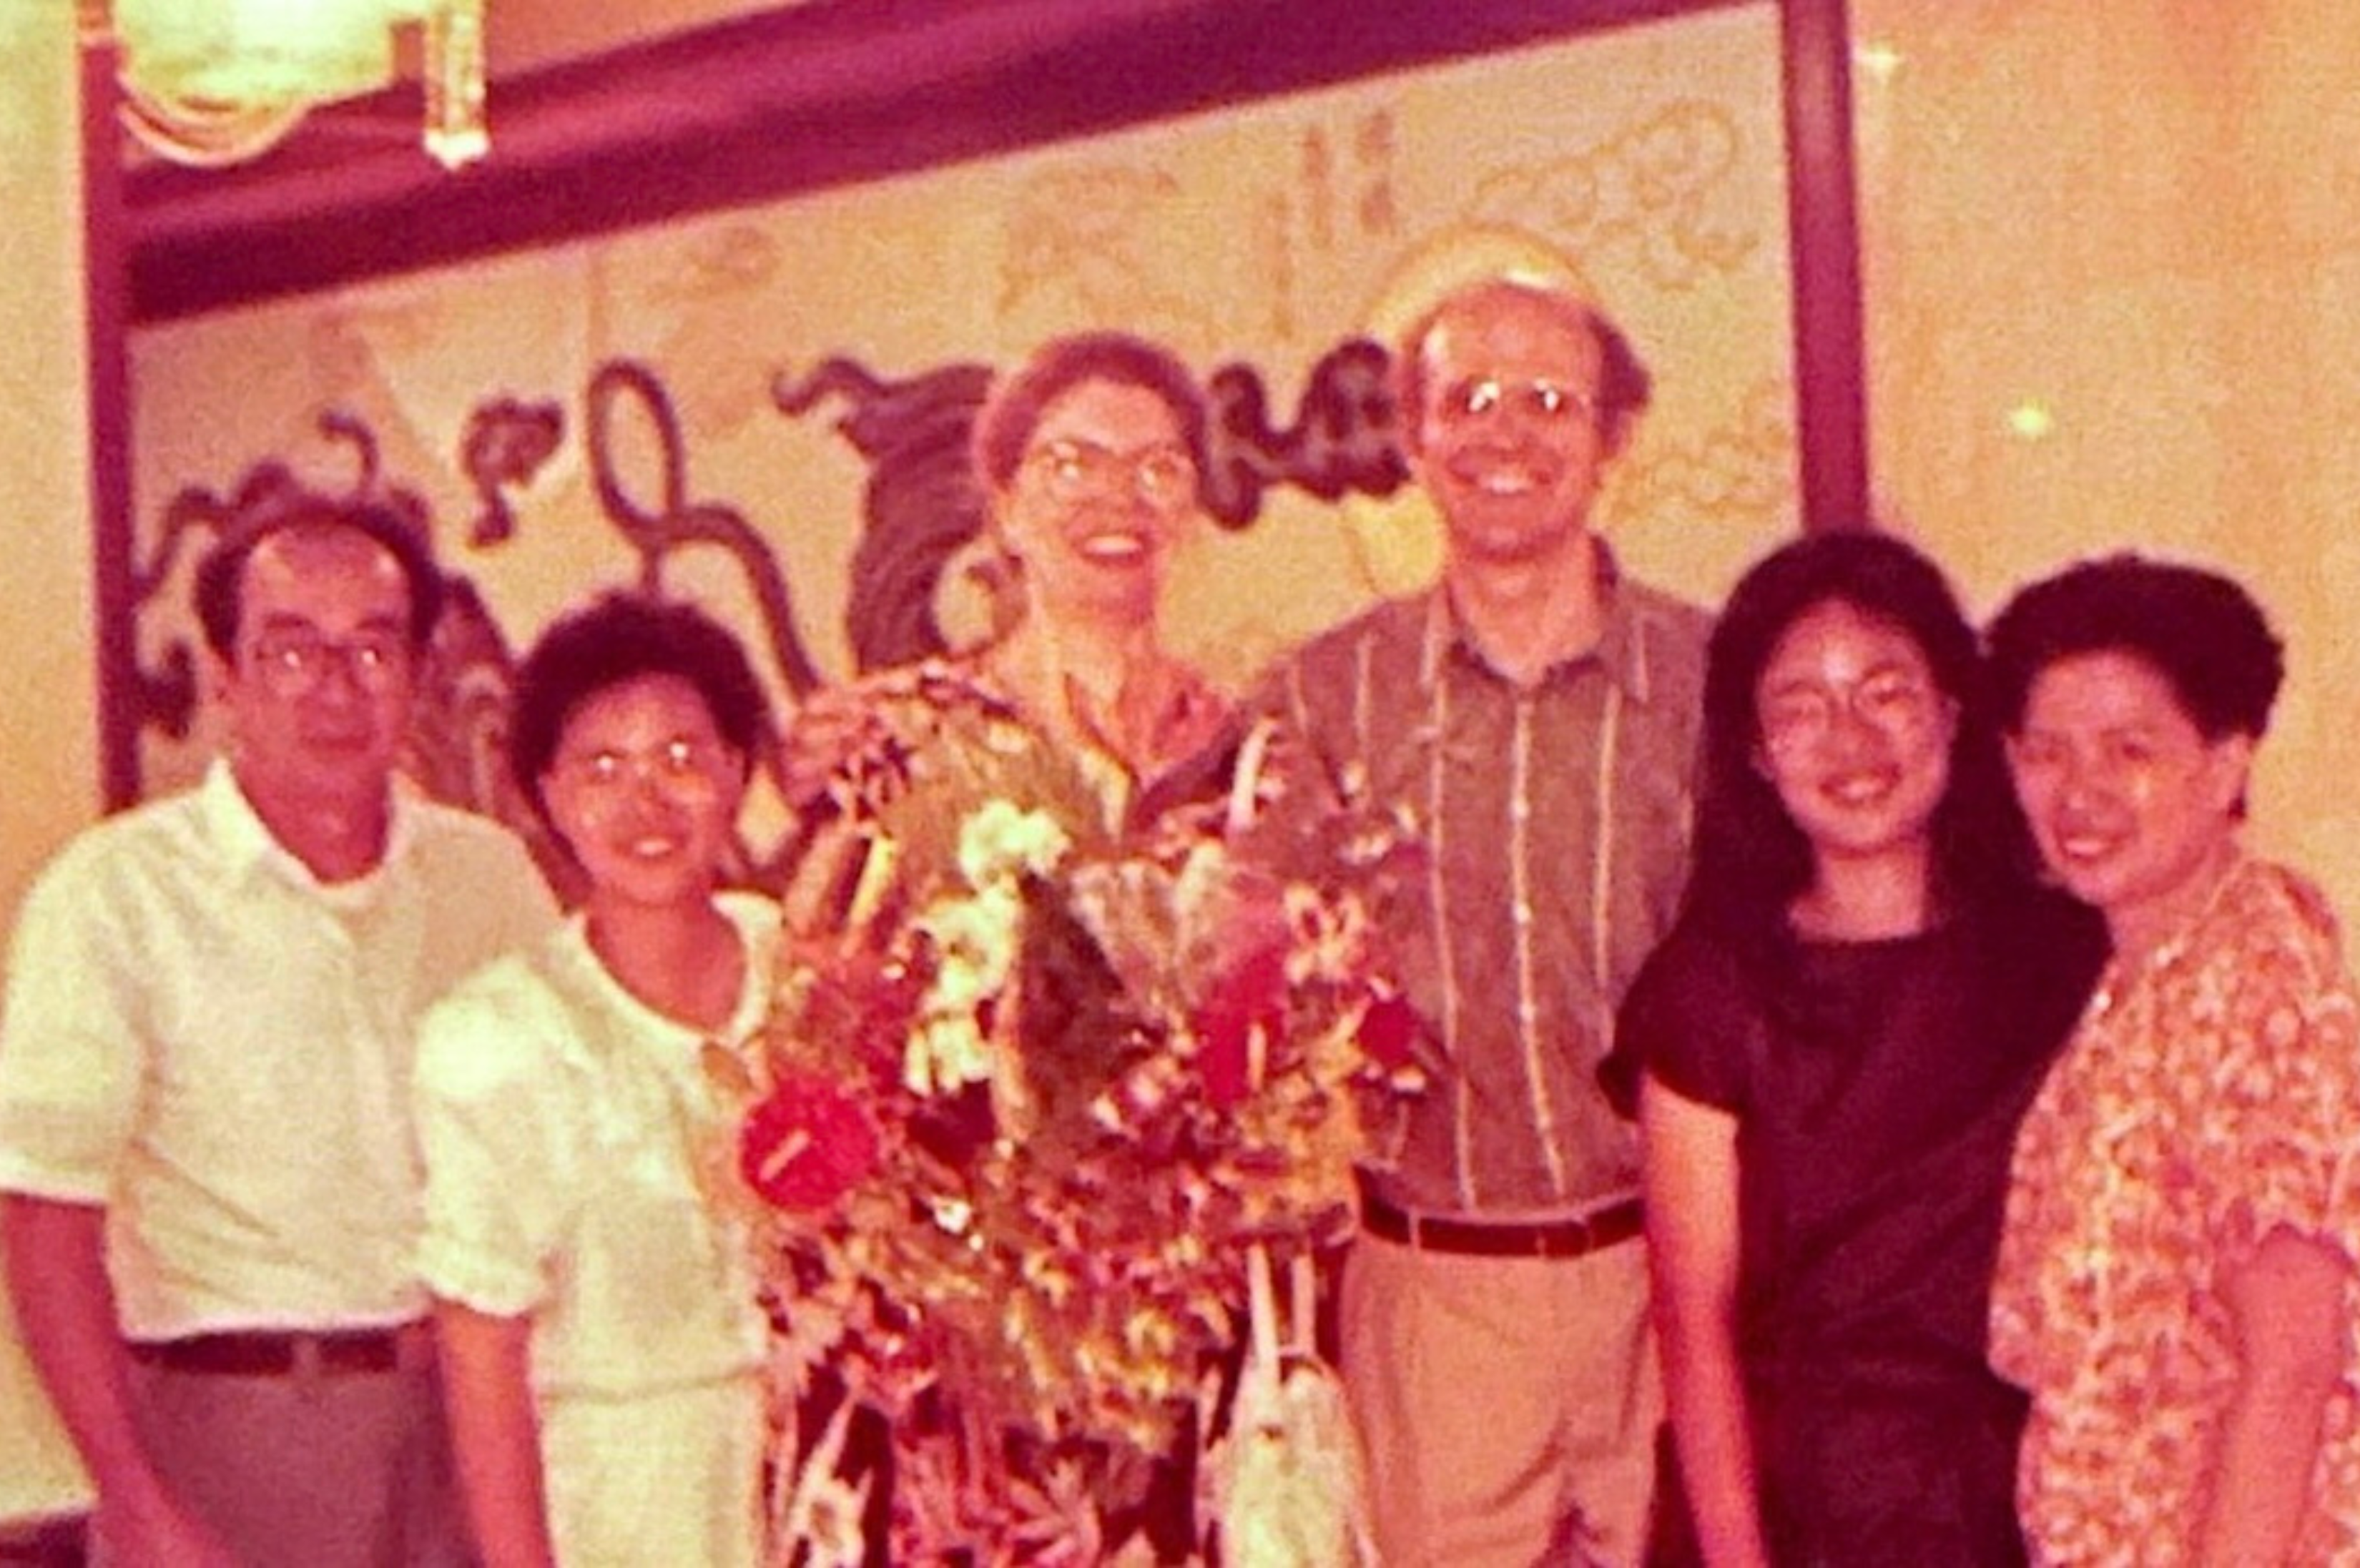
column 622, row 636
column 1013, row 409
column 221, row 574
column 2198, row 630
column 1751, row 860
column 1624, row 387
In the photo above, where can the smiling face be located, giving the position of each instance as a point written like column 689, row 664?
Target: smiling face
column 1098, row 501
column 645, row 793
column 318, row 686
column 2133, row 808
column 1508, row 437
column 1854, row 735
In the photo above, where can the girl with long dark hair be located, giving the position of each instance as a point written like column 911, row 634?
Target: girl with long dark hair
column 1833, row 1048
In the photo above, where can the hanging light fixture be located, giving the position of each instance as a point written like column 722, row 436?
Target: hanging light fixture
column 210, row 82
column 455, row 133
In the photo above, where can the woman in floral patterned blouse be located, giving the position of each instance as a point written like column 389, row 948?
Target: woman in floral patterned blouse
column 2176, row 1284
column 1088, row 456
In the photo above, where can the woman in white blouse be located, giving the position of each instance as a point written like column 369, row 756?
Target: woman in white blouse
column 600, row 1337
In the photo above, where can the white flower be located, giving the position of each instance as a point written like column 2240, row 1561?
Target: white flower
column 978, row 934
column 1207, row 882
column 944, row 1055
column 998, row 841
column 975, row 954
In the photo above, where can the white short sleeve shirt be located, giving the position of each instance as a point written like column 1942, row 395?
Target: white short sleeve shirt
column 573, row 1143
column 216, row 1047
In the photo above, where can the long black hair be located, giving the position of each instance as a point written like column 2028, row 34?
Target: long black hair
column 1751, row 860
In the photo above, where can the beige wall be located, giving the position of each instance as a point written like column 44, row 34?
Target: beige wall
column 2112, row 254
column 48, row 766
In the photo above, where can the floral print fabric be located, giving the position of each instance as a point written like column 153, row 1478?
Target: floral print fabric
column 2210, row 1095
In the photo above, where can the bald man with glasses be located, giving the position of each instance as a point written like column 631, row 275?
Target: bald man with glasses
column 1527, row 726
column 209, row 1186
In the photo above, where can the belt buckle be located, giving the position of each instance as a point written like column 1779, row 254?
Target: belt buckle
column 1578, row 1238
column 315, row 1355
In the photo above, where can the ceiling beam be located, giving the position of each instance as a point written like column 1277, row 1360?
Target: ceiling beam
column 763, row 108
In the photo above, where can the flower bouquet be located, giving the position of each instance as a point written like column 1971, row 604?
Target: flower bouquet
column 1020, row 1114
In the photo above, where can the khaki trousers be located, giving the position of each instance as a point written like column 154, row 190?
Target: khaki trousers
column 1509, row 1405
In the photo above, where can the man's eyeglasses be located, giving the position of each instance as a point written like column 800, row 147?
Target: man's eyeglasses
column 1162, row 477
column 293, row 660
column 1541, row 400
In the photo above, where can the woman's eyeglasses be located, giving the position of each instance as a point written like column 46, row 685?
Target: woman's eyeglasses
column 1162, row 477
column 681, row 766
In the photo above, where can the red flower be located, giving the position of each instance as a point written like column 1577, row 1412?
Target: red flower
column 807, row 1145
column 1253, row 994
column 1388, row 1031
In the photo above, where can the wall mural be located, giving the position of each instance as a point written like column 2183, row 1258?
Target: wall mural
column 921, row 511
column 766, row 407
column 1653, row 192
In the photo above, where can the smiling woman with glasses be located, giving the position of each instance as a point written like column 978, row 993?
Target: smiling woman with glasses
column 601, row 1335
column 1088, row 456
column 1837, row 1040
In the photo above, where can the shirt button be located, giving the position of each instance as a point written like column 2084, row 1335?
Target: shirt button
column 1524, row 913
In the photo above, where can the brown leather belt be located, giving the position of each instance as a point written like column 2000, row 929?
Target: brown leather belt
column 1485, row 1238
column 263, row 1353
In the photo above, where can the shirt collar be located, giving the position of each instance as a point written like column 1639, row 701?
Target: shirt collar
column 2200, row 920
column 1623, row 650
column 248, row 844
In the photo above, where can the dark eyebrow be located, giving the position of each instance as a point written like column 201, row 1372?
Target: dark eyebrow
column 295, row 620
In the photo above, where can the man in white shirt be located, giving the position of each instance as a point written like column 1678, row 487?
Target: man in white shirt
column 209, row 1186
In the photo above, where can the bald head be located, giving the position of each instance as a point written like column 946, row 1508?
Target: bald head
column 1623, row 386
